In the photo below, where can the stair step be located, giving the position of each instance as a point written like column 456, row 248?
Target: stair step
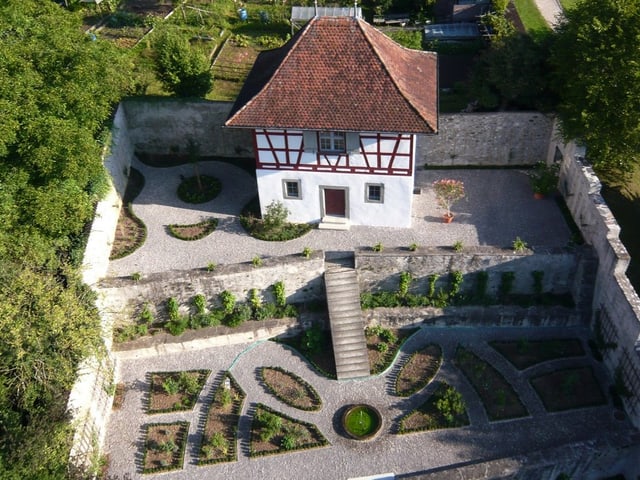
column 350, row 354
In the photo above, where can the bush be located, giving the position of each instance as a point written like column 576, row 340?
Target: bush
column 183, row 71
column 276, row 215
column 241, row 313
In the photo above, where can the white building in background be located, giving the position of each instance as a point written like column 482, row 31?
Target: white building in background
column 335, row 113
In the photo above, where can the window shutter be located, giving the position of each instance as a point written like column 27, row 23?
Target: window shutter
column 353, row 142
column 310, row 140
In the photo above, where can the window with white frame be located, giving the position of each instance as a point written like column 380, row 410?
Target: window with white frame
column 333, row 142
column 291, row 189
column 374, row 193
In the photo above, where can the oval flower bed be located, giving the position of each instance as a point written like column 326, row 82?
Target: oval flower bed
column 445, row 408
column 418, row 370
column 290, row 389
column 274, row 432
column 219, row 438
column 195, row 231
column 500, row 400
column 524, row 353
column 173, row 391
column 199, row 189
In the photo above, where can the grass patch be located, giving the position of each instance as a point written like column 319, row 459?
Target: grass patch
column 175, row 391
column 290, row 389
column 498, row 397
column 531, row 17
column 164, row 446
column 569, row 388
column 219, row 437
column 199, row 189
column 418, row 370
column 568, row 4
column 444, row 409
column 195, row 231
column 525, row 353
column 274, row 432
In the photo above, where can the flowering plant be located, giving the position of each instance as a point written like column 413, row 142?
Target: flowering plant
column 447, row 192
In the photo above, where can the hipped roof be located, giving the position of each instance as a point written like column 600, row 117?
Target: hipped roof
column 340, row 73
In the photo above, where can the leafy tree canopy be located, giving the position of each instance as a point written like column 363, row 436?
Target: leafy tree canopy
column 57, row 88
column 513, row 73
column 183, row 70
column 597, row 62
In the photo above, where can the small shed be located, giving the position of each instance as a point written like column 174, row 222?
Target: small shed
column 301, row 15
column 451, row 31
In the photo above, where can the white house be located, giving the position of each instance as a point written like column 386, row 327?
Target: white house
column 335, row 113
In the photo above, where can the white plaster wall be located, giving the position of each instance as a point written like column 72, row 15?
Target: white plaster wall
column 394, row 212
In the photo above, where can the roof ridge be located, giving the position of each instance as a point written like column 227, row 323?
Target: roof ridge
column 399, row 87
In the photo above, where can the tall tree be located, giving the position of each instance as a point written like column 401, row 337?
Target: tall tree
column 57, row 89
column 183, row 70
column 597, row 62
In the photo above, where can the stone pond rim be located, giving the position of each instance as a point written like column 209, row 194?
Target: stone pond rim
column 373, row 417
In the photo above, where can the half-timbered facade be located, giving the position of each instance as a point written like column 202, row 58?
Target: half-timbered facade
column 334, row 114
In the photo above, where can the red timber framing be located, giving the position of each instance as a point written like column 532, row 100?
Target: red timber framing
column 379, row 154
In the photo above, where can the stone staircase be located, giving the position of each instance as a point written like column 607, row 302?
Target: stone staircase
column 347, row 326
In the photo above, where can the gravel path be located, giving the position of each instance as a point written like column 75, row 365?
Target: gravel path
column 347, row 458
column 499, row 207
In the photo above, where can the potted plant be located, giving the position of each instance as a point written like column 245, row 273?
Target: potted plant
column 448, row 191
column 544, row 178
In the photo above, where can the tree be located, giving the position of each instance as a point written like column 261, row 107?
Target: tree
column 46, row 328
column 513, row 73
column 597, row 64
column 183, row 71
column 57, row 89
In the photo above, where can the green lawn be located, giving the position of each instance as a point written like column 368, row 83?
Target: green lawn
column 531, row 17
column 567, row 4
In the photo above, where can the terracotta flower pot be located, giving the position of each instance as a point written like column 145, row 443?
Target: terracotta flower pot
column 538, row 195
column 447, row 218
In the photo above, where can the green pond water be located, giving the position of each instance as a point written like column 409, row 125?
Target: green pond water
column 361, row 421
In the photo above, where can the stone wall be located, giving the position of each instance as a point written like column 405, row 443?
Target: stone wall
column 121, row 298
column 163, row 126
column 103, row 229
column 381, row 271
column 475, row 316
column 486, row 139
column 615, row 303
column 584, row 461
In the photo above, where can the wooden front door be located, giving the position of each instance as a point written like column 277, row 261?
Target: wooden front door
column 335, row 202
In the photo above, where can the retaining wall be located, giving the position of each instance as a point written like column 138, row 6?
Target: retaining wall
column 381, row 271
column 615, row 303
column 121, row 299
column 486, row 139
column 163, row 126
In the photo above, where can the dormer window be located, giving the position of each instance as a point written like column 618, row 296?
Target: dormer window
column 333, row 142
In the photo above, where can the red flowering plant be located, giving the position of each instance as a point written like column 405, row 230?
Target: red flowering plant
column 448, row 191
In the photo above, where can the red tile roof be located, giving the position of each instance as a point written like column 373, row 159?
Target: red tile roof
column 340, row 73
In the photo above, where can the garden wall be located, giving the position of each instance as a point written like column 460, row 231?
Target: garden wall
column 615, row 303
column 163, row 126
column 103, row 229
column 585, row 461
column 475, row 316
column 381, row 271
column 486, row 139
column 122, row 298
column 90, row 400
